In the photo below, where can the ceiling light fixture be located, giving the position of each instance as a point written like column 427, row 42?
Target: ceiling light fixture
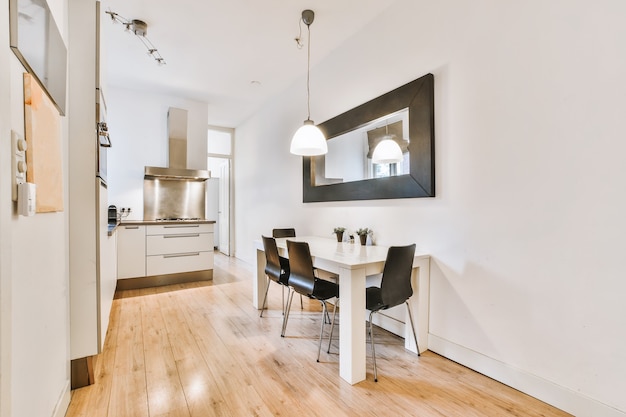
column 308, row 139
column 387, row 151
column 140, row 29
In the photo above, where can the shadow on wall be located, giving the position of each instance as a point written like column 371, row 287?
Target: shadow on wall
column 474, row 324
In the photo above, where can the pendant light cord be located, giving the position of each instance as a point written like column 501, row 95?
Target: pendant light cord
column 308, row 72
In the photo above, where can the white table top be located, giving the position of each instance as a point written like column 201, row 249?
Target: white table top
column 347, row 255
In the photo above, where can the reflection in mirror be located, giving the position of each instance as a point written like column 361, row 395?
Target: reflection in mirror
column 349, row 156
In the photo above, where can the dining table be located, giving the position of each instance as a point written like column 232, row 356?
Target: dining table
column 352, row 263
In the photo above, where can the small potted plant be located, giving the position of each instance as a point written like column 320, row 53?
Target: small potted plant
column 339, row 232
column 363, row 234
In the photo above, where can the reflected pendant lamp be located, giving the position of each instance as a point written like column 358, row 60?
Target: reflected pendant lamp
column 387, row 152
column 308, row 139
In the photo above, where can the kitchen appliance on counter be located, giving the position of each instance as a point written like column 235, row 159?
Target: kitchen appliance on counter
column 112, row 214
column 175, row 192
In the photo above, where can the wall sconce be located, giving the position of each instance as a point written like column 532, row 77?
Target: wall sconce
column 140, row 29
column 308, row 139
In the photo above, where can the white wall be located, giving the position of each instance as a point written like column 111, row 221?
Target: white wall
column 137, row 124
column 34, row 340
column 6, row 211
column 526, row 230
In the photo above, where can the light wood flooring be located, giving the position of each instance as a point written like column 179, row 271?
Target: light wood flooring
column 200, row 349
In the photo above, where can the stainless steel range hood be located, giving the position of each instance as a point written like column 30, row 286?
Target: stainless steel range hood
column 176, row 173
column 175, row 191
column 177, row 151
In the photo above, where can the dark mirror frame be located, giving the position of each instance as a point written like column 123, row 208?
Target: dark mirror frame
column 418, row 96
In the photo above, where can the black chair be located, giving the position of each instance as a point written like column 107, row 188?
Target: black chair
column 287, row 232
column 302, row 280
column 284, row 233
column 395, row 289
column 276, row 269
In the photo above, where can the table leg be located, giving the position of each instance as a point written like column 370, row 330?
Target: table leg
column 260, row 280
column 352, row 325
column 420, row 306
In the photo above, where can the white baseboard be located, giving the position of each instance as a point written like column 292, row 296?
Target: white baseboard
column 542, row 389
column 64, row 401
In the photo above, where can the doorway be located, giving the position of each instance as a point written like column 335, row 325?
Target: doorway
column 219, row 207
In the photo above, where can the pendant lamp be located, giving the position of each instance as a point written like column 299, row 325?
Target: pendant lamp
column 387, row 151
column 308, row 139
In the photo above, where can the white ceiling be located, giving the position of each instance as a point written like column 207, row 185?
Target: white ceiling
column 232, row 54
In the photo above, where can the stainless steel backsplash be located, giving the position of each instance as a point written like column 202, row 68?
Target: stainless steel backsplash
column 173, row 198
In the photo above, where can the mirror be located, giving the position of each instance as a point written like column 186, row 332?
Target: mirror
column 347, row 172
column 36, row 41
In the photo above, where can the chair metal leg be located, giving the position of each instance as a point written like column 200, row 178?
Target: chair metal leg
column 283, row 298
column 319, row 347
column 286, row 317
column 332, row 325
column 285, row 305
column 373, row 349
column 413, row 328
column 265, row 298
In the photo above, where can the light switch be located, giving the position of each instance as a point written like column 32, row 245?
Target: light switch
column 18, row 160
column 26, row 199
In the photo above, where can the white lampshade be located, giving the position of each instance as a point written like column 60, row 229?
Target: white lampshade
column 308, row 140
column 387, row 152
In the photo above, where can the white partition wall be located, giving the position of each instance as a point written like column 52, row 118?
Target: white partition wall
column 34, row 288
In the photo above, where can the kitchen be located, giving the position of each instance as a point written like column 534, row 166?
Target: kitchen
column 174, row 241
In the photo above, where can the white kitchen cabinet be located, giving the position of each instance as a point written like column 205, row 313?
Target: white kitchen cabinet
column 179, row 262
column 178, row 243
column 131, row 251
column 145, row 249
column 177, row 248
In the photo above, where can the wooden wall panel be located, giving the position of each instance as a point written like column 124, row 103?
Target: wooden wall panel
column 43, row 137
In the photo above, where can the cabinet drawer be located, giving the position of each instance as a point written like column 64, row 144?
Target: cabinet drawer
column 178, row 243
column 175, row 229
column 181, row 262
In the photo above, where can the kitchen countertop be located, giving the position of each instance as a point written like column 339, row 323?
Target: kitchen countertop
column 149, row 222
column 112, row 227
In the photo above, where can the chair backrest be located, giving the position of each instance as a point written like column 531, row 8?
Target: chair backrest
column 395, row 286
column 272, row 259
column 284, row 232
column 302, row 277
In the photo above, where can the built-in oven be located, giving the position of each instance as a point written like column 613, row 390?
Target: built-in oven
column 103, row 141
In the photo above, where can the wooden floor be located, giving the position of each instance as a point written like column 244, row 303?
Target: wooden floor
column 201, row 349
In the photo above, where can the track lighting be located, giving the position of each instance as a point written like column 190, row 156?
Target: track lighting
column 140, row 29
